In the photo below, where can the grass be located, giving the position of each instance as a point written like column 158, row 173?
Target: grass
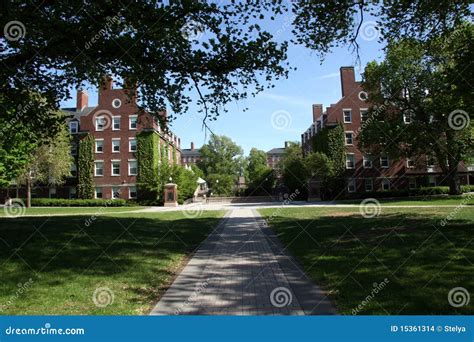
column 347, row 254
column 68, row 210
column 53, row 265
column 452, row 200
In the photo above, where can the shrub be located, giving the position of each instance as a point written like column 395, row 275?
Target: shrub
column 62, row 202
column 467, row 188
column 432, row 190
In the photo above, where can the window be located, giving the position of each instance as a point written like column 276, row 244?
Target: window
column 116, row 145
column 132, row 192
column 98, row 192
column 115, row 167
column 98, row 168
column 412, row 183
column 73, row 170
column 347, row 115
column 100, row 123
column 430, row 163
column 116, row 123
column 351, row 185
column 367, row 161
column 363, row 96
column 132, row 122
column 432, row 180
column 410, row 163
column 364, row 115
column 407, row 117
column 116, row 103
column 72, row 193
column 52, row 193
column 115, row 192
column 99, row 146
column 385, row 185
column 368, row 185
column 73, row 127
column 349, row 138
column 73, row 149
column 132, row 168
column 132, row 145
column 384, row 163
column 350, row 161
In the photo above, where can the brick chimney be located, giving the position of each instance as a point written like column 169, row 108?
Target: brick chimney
column 192, row 146
column 347, row 80
column 82, row 100
column 106, row 83
column 317, row 111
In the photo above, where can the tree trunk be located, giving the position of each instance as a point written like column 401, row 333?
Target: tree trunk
column 453, row 181
column 28, row 192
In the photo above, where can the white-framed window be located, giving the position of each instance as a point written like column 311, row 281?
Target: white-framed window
column 115, row 145
column 100, row 123
column 410, row 163
column 430, row 163
column 116, row 123
column 132, row 122
column 347, row 115
column 99, row 145
column 98, row 192
column 407, row 117
column 384, row 162
column 350, row 161
column 99, row 168
column 115, row 168
column 73, row 149
column 385, row 184
column 367, row 161
column 115, row 192
column 116, row 103
column 72, row 193
column 364, row 114
column 432, row 180
column 368, row 185
column 73, row 170
column 132, row 145
column 349, row 138
column 52, row 193
column 132, row 167
column 351, row 185
column 412, row 183
column 363, row 96
column 132, row 192
column 73, row 127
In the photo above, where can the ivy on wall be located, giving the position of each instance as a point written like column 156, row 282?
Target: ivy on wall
column 330, row 141
column 85, row 188
column 147, row 160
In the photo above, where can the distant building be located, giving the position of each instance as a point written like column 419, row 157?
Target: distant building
column 190, row 156
column 275, row 155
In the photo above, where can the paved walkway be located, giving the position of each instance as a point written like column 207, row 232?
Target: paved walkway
column 241, row 270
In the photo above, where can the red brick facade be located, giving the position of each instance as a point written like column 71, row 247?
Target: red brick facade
column 381, row 173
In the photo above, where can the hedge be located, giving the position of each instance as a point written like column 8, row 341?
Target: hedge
column 85, row 188
column 467, row 188
column 62, row 202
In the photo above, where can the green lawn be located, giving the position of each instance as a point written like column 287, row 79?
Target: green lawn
column 347, row 254
column 53, row 265
column 69, row 210
column 454, row 200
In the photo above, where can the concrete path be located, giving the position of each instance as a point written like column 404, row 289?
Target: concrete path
column 242, row 270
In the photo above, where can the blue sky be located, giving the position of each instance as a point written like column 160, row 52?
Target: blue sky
column 288, row 103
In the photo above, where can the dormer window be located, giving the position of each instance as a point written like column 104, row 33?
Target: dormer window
column 73, row 127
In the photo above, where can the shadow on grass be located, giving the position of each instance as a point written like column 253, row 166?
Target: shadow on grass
column 139, row 254
column 418, row 260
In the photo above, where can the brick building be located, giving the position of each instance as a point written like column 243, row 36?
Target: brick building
column 190, row 156
column 274, row 157
column 365, row 173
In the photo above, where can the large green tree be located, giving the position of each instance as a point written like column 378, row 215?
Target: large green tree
column 261, row 178
column 423, row 99
column 221, row 162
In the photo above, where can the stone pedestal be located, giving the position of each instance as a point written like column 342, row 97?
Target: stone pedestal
column 171, row 195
